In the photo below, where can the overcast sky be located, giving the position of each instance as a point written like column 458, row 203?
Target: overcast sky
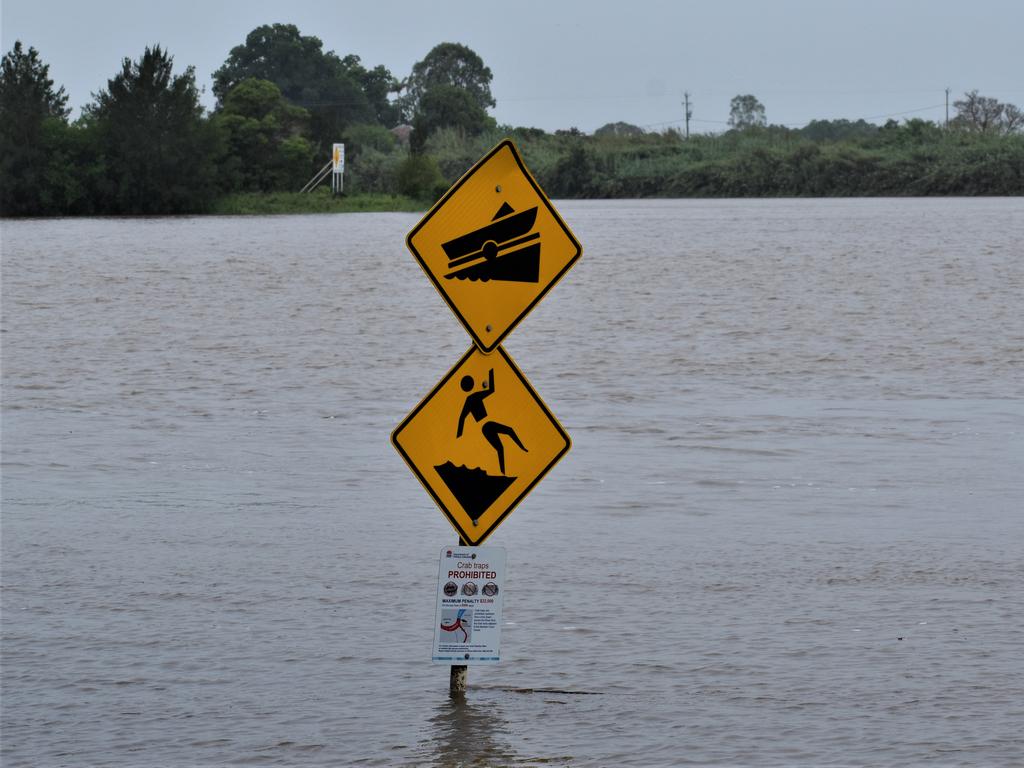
column 584, row 63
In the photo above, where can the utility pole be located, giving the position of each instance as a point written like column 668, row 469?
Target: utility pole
column 689, row 112
column 947, row 107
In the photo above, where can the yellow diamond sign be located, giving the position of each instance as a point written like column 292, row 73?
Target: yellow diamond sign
column 480, row 441
column 494, row 246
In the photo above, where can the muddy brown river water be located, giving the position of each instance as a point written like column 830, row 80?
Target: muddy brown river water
column 790, row 530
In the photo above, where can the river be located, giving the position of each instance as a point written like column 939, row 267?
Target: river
column 789, row 530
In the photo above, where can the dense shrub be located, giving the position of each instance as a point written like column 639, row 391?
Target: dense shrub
column 419, row 177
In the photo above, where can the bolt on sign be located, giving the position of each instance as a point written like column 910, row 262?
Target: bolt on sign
column 480, row 441
column 494, row 245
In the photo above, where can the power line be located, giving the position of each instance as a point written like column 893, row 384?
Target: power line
column 898, row 114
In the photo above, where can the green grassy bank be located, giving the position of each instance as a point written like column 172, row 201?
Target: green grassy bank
column 318, row 201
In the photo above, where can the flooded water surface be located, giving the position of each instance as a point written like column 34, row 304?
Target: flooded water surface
column 789, row 530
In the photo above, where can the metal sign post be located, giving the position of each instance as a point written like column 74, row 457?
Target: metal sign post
column 459, row 673
column 493, row 246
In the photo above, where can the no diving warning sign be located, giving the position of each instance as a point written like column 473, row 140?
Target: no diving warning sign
column 480, row 442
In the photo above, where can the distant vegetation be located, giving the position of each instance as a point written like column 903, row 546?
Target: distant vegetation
column 912, row 158
column 145, row 145
column 319, row 201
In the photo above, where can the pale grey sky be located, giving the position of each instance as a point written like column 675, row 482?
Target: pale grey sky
column 584, row 63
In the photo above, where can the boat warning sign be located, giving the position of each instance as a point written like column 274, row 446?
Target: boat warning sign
column 494, row 245
column 467, row 622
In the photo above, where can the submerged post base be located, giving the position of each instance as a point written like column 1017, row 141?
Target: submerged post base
column 458, row 680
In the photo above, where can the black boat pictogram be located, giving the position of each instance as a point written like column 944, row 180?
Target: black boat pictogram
column 504, row 250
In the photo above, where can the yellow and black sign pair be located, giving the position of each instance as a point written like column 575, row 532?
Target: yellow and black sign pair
column 493, row 247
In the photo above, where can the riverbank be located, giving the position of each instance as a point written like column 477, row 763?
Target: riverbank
column 318, row 201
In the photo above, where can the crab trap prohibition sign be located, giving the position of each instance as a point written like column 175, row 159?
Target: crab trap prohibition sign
column 494, row 245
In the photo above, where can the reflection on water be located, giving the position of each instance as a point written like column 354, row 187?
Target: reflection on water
column 462, row 732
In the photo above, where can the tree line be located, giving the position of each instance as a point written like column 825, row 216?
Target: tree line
column 145, row 144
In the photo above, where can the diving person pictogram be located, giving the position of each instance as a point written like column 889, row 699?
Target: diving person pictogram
column 475, row 489
column 491, row 430
column 504, row 250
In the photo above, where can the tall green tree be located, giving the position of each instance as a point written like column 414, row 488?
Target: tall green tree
column 33, row 120
column 745, row 111
column 308, row 77
column 160, row 154
column 448, row 64
column 445, row 106
column 266, row 147
column 378, row 84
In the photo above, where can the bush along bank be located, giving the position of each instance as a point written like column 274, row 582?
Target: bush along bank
column 762, row 162
column 318, row 201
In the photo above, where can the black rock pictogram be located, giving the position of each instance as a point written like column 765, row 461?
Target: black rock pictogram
column 475, row 489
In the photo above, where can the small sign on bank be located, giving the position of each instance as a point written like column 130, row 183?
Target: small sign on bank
column 338, row 169
column 467, row 622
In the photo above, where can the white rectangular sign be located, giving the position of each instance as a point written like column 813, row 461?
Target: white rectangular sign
column 338, row 158
column 467, row 623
